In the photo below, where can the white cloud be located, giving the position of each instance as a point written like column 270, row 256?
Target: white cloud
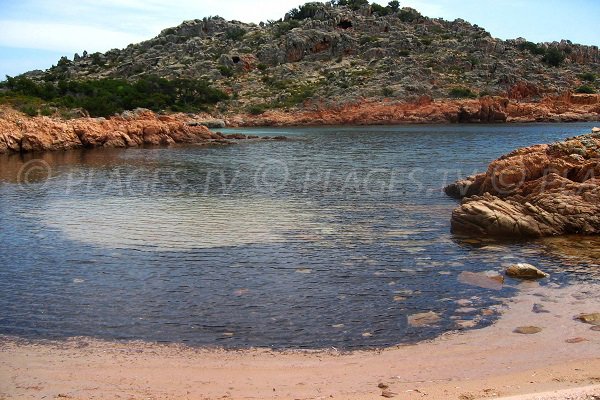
column 62, row 37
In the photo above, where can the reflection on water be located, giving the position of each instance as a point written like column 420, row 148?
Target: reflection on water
column 170, row 224
column 333, row 238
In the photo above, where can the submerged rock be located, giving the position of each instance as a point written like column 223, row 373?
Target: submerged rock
column 542, row 190
column 487, row 280
column 527, row 330
column 423, row 319
column 525, row 271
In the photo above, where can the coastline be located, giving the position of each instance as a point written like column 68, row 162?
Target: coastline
column 565, row 108
column 22, row 134
column 489, row 362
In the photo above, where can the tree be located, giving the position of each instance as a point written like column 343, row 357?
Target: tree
column 394, row 5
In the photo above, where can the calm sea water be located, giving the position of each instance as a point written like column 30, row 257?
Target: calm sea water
column 331, row 238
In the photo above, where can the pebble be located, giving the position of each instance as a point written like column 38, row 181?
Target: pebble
column 539, row 309
column 525, row 271
column 466, row 310
column 464, row 302
column 576, row 340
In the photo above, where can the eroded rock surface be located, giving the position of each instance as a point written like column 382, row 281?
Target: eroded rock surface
column 19, row 133
column 541, row 190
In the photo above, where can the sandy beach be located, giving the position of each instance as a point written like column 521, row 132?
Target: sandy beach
column 492, row 362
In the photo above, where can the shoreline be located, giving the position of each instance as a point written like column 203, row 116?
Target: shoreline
column 488, row 362
column 21, row 134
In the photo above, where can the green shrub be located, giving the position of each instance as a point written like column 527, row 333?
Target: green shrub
column 257, row 109
column 554, row 57
column 409, row 15
column 367, row 39
column 532, row 48
column 387, row 92
column 235, row 33
column 305, row 11
column 462, row 93
column 380, row 10
column 281, row 28
column 588, row 77
column 394, row 5
column 352, row 4
column 104, row 97
column 262, row 66
column 225, row 71
column 585, row 89
column 403, row 53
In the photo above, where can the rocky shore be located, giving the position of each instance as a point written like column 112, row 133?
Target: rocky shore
column 425, row 110
column 542, row 190
column 20, row 133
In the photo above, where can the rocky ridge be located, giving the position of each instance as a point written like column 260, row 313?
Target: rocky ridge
column 336, row 58
column 20, row 133
column 542, row 190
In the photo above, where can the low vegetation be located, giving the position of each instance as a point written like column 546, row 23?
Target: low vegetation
column 104, row 97
column 462, row 93
column 585, row 89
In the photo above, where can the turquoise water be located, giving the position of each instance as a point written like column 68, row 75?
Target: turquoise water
column 331, row 238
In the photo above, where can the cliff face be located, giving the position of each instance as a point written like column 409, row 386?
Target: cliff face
column 542, row 190
column 568, row 108
column 335, row 58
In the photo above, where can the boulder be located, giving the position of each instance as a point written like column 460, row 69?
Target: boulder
column 542, row 190
column 525, row 271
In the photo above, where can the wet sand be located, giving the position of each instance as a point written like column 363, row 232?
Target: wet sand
column 492, row 362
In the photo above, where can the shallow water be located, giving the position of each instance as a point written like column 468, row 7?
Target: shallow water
column 331, row 238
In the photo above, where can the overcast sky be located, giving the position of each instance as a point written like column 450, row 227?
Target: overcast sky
column 35, row 33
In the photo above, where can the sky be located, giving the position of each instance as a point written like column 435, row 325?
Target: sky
column 34, row 34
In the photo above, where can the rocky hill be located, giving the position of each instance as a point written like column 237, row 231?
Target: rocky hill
column 331, row 55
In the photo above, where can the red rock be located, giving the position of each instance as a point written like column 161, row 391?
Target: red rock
column 541, row 190
column 19, row 133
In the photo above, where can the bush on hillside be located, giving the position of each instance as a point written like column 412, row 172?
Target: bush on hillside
column 462, row 93
column 104, row 97
column 554, row 57
column 585, row 89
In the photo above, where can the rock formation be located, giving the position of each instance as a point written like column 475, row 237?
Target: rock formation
column 427, row 110
column 19, row 133
column 542, row 190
